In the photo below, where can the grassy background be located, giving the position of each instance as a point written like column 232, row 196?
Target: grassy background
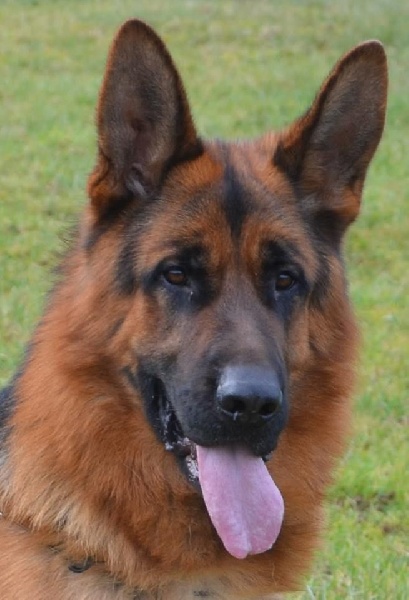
column 248, row 66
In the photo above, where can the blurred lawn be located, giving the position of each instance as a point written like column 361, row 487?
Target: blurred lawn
column 249, row 65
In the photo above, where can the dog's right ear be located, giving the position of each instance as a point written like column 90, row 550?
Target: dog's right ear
column 327, row 151
column 143, row 120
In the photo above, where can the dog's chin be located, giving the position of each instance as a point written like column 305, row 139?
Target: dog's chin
column 170, row 431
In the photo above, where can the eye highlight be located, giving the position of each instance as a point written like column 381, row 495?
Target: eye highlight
column 175, row 276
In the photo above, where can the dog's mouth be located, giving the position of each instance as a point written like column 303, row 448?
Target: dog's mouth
column 174, row 439
column 241, row 498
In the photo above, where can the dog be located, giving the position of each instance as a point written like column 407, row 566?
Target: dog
column 172, row 430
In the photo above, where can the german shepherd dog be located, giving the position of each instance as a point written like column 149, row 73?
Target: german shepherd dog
column 173, row 428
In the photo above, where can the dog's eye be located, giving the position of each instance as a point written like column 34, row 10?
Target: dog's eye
column 176, row 276
column 284, row 281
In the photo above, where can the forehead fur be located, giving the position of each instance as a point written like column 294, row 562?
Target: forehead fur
column 231, row 196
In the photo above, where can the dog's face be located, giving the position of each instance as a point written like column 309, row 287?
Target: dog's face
column 223, row 268
column 227, row 263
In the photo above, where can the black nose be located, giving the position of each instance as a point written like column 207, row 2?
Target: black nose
column 249, row 394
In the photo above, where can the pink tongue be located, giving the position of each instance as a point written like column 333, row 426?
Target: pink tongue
column 244, row 503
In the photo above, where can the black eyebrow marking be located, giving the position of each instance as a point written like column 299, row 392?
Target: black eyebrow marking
column 280, row 251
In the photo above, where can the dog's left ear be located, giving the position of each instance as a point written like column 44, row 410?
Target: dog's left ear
column 143, row 119
column 327, row 151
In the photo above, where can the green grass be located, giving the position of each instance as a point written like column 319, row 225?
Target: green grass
column 249, row 66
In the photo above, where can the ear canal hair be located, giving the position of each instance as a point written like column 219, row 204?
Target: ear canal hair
column 326, row 152
column 143, row 120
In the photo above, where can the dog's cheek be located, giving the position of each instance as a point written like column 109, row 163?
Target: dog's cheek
column 151, row 327
column 298, row 346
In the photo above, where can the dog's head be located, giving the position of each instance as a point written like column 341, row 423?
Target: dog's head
column 227, row 254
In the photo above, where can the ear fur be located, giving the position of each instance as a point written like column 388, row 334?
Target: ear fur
column 327, row 151
column 143, row 119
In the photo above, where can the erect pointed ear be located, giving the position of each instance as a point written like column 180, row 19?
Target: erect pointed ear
column 143, row 119
column 327, row 151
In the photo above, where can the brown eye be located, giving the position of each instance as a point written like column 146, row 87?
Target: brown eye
column 176, row 276
column 284, row 281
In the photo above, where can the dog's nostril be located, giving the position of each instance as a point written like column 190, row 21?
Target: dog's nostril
column 233, row 405
column 269, row 408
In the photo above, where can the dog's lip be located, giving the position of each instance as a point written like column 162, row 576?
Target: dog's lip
column 174, row 438
column 182, row 447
